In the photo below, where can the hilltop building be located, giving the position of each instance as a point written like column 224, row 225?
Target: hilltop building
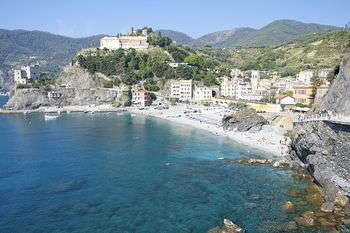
column 26, row 74
column 130, row 41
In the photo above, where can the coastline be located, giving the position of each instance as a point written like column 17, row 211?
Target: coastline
column 267, row 140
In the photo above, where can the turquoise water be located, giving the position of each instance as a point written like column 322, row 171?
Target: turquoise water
column 121, row 173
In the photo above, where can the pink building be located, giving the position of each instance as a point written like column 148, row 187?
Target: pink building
column 142, row 97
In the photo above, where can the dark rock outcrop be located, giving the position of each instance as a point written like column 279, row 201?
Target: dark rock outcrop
column 244, row 120
column 323, row 147
column 337, row 100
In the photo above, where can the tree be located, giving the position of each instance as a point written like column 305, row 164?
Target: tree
column 157, row 39
column 178, row 54
column 184, row 72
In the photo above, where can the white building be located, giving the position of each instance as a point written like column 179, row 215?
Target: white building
column 284, row 84
column 305, row 76
column 255, row 79
column 176, row 64
column 26, row 74
column 235, row 88
column 203, row 94
column 182, row 90
column 229, row 86
column 124, row 42
column 324, row 73
column 285, row 99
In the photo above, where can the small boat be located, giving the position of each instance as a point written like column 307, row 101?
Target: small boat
column 50, row 117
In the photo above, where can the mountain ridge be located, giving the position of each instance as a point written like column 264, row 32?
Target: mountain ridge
column 273, row 34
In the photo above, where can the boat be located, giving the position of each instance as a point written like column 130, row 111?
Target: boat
column 50, row 117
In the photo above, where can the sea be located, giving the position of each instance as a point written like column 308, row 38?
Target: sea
column 3, row 100
column 124, row 173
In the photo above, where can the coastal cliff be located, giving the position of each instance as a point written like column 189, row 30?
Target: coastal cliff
column 322, row 147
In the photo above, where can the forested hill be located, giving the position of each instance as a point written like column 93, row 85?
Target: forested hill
column 21, row 47
column 274, row 34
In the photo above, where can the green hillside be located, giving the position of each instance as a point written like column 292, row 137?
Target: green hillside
column 316, row 51
column 282, row 31
column 20, row 47
column 274, row 34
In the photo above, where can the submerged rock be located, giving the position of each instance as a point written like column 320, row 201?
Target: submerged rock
column 307, row 219
column 327, row 207
column 228, row 227
column 291, row 226
column 288, row 207
column 278, row 163
column 244, row 120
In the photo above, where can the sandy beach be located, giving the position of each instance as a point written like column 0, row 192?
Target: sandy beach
column 270, row 139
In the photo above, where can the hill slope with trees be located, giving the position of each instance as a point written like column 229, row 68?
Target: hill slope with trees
column 21, row 47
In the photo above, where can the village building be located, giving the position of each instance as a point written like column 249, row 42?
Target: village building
column 130, row 41
column 235, row 88
column 255, row 79
column 176, row 64
column 324, row 73
column 182, row 90
column 54, row 95
column 141, row 97
column 303, row 93
column 229, row 86
column 203, row 93
column 285, row 99
column 284, row 84
column 305, row 76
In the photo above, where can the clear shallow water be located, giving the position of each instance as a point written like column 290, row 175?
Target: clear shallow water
column 118, row 173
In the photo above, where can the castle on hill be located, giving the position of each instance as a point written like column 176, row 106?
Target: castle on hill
column 133, row 40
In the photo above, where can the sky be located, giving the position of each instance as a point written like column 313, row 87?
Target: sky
column 80, row 18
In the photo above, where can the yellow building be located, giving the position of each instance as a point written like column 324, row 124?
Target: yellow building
column 304, row 93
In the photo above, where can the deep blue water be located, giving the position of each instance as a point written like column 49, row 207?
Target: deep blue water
column 3, row 100
column 121, row 173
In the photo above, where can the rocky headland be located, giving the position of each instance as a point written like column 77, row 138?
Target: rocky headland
column 74, row 86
